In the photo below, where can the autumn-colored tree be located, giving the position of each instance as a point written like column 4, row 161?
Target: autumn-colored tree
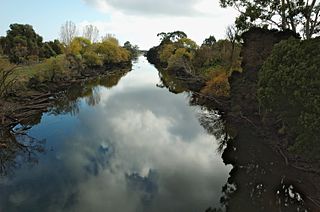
column 111, row 52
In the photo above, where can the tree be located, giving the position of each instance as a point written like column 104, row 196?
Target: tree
column 91, row 33
column 289, row 85
column 22, row 43
column 296, row 15
column 56, row 46
column 68, row 31
column 111, row 52
column 210, row 41
column 171, row 36
column 2, row 44
column 133, row 49
column 233, row 36
column 78, row 46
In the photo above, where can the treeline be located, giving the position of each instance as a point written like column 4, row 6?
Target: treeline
column 22, row 45
column 25, row 60
column 285, row 88
column 288, row 84
column 213, row 61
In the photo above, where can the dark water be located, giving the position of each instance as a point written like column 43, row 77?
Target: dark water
column 116, row 144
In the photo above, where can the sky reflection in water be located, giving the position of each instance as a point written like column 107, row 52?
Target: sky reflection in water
column 140, row 148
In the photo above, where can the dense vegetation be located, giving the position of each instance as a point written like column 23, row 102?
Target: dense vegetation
column 296, row 15
column 289, row 85
column 213, row 60
column 23, row 45
column 55, row 61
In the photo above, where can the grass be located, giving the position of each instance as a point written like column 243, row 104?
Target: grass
column 47, row 70
column 40, row 70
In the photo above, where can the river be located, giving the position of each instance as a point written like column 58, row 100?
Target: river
column 116, row 144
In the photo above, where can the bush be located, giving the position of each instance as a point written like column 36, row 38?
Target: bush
column 218, row 85
column 289, row 85
column 51, row 70
column 111, row 52
column 7, row 81
column 92, row 59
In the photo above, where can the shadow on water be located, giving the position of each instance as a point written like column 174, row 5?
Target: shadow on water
column 132, row 148
column 17, row 148
column 89, row 90
column 259, row 180
column 133, row 151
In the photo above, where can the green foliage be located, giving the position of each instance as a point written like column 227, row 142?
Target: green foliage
column 205, row 57
column 56, row 70
column 21, row 42
column 92, row 59
column 289, row 85
column 106, row 52
column 210, row 41
column 221, row 55
column 296, row 15
column 2, row 44
column 56, row 47
column 188, row 44
column 78, row 46
column 133, row 49
column 213, row 61
column 167, row 37
column 23, row 45
column 111, row 52
column 47, row 51
column 6, row 79
column 52, row 70
column 166, row 52
column 178, row 54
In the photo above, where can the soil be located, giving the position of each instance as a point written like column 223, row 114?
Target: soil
column 20, row 106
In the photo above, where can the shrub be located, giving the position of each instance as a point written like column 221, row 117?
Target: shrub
column 92, row 59
column 289, row 85
column 218, row 85
column 111, row 52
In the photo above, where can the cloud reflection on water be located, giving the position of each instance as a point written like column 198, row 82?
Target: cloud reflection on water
column 140, row 149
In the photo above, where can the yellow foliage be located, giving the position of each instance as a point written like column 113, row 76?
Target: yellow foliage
column 111, row 52
column 218, row 85
column 111, row 38
column 166, row 52
column 188, row 44
column 78, row 46
column 183, row 52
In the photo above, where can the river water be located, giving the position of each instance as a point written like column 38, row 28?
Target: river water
column 117, row 144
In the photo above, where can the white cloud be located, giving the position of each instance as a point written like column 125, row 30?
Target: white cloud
column 148, row 7
column 139, row 21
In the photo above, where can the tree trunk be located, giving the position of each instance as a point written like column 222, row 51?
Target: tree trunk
column 308, row 19
column 293, row 26
column 283, row 15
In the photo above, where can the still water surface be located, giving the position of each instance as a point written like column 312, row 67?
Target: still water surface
column 130, row 147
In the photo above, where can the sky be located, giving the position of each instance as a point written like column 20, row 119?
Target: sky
column 137, row 21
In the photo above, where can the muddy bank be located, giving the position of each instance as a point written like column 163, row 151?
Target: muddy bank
column 266, row 176
column 23, row 105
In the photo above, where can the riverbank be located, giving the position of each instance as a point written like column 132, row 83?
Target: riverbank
column 33, row 95
column 255, row 139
